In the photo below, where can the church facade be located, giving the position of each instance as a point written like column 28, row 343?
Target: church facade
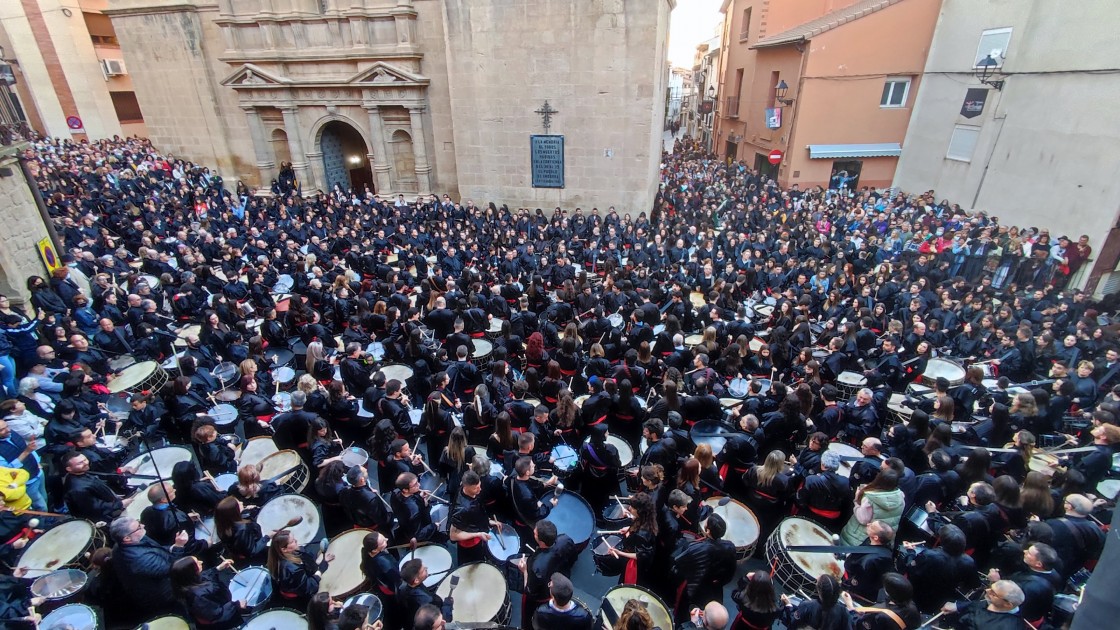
column 408, row 96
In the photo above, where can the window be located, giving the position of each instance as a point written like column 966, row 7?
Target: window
column 994, row 42
column 895, row 91
column 771, row 90
column 963, row 143
column 127, row 107
column 745, row 31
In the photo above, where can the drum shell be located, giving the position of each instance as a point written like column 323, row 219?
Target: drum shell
column 787, row 570
column 605, row 563
column 743, row 528
column 88, row 616
column 943, row 367
column 253, row 585
column 50, row 602
column 295, row 481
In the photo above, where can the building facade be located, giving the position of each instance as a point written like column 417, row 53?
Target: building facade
column 408, row 96
column 705, row 80
column 70, row 77
column 850, row 70
column 1039, row 149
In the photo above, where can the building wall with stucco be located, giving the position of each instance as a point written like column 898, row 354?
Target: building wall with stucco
column 24, row 228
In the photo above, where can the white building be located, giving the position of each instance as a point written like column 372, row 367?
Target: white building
column 679, row 82
column 1040, row 149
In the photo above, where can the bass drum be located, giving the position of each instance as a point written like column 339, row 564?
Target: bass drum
column 615, row 600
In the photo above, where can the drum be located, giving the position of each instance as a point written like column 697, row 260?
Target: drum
column 275, row 515
column 917, row 390
column 58, row 586
column 223, row 414
column 1064, row 607
column 616, row 598
column 206, row 531
column 117, row 364
column 728, row 403
column 343, row 576
column 256, row 449
column 139, row 502
column 616, row 321
column 227, row 375
column 61, row 546
column 574, row 517
column 737, row 388
column 171, row 364
column 282, row 402
column 284, row 376
column 710, row 432
column 1044, row 463
column 742, row 525
column 495, row 328
column 605, row 563
column 564, row 460
column 226, row 481
column 438, row 561
column 355, row 456
column 114, row 443
column 415, row 416
column 935, row 368
column 162, row 458
column 393, row 371
column 284, row 284
column 481, row 595
column 505, row 545
column 579, row 400
column 756, row 344
column 277, row 619
column 625, row 453
column 252, row 585
column 287, row 469
column 147, row 376
column 764, row 311
column 697, row 299
column 614, row 517
column 658, row 329
column 440, row 514
column 800, row 570
column 369, row 600
column 188, row 331
column 280, row 357
column 895, row 409
column 376, row 350
column 845, row 451
column 71, row 617
column 165, row 623
column 692, row 341
column 849, row 384
column 482, row 351
column 1109, row 489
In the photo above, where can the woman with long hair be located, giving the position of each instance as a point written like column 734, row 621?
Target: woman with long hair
column 688, row 482
column 1023, row 450
column 635, row 616
column 502, row 439
column 206, row 598
column 535, row 354
column 627, row 413
column 436, row 422
column 823, row 611
column 379, row 568
column 757, row 602
column 249, row 488
column 244, row 541
column 323, row 612
column 317, row 364
column 255, row 410
column 295, row 570
column 1036, row 497
column 669, row 401
column 975, row 468
column 322, row 449
column 192, row 493
column 711, row 483
column 566, row 417
column 769, row 490
column 638, row 545
column 455, row 460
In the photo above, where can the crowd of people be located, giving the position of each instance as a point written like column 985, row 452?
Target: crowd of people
column 885, row 368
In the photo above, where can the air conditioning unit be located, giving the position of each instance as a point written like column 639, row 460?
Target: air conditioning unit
column 112, row 67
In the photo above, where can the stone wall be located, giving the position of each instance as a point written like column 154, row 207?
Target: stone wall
column 23, row 229
column 601, row 63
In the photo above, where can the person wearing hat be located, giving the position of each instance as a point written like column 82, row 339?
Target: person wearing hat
column 561, row 612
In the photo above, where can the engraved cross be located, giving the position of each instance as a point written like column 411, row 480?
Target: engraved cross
column 546, row 113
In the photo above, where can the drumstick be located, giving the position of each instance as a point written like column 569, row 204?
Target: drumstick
column 501, row 543
column 931, row 619
column 609, row 531
column 231, row 567
column 206, row 475
column 41, row 513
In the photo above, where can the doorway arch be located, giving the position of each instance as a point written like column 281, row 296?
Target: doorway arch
column 345, row 157
column 280, row 149
column 404, row 162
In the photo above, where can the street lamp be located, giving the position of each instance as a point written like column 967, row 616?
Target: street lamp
column 780, row 93
column 987, row 68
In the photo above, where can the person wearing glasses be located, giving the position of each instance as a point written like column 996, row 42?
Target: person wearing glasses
column 143, row 566
column 999, row 610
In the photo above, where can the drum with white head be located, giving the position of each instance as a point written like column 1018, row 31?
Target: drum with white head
column 798, row 570
column 615, row 600
column 849, row 455
column 849, row 384
column 277, row 619
column 742, row 525
column 61, row 546
column 252, row 585
column 164, row 459
column 343, row 576
column 481, row 595
column 256, row 449
column 71, row 617
column 287, row 469
column 146, row 376
column 436, row 559
column 275, row 515
column 950, row 370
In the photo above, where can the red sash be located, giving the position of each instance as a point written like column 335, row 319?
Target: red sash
column 469, row 543
column 630, row 575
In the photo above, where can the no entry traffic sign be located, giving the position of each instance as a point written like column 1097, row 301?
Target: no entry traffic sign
column 776, row 156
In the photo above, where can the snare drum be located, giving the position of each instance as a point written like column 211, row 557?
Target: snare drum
column 256, row 449
column 226, row 375
column 845, row 451
column 284, row 284
column 343, row 576
column 61, row 546
column 225, row 481
column 163, row 458
column 275, row 515
column 505, row 545
column 579, row 400
column 282, row 402
column 482, row 351
column 376, row 350
column 614, row 517
column 710, row 432
column 625, row 453
column 171, row 364
column 114, row 443
column 737, row 388
column 58, row 586
column 796, row 569
column 698, row 300
column 495, row 328
column 277, row 619
column 897, row 411
column 252, row 585
column 398, row 372
column 415, row 416
column 565, row 460
column 943, row 368
column 147, row 376
column 206, row 531
column 742, row 525
column 605, row 563
column 849, row 384
column 284, row 376
column 438, row 561
column 616, row 320
column 658, row 329
column 756, row 344
column 369, row 600
column 574, row 517
column 692, row 341
column 481, row 595
column 355, row 456
column 280, row 357
column 1044, row 463
column 288, row 469
column 223, row 414
column 71, row 617
column 441, row 517
column 617, row 598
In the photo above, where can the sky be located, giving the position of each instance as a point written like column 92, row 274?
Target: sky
column 693, row 22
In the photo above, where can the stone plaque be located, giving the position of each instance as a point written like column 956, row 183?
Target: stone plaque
column 547, row 158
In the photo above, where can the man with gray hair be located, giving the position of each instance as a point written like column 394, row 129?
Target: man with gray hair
column 143, row 566
column 861, row 418
column 827, row 494
column 999, row 610
column 291, row 427
column 364, row 507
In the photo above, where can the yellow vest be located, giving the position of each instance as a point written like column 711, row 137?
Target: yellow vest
column 13, row 488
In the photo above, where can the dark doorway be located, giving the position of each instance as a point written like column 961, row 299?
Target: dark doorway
column 764, row 167
column 345, row 156
column 732, row 149
column 845, row 174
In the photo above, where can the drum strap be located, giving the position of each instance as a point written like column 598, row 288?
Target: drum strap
column 889, row 613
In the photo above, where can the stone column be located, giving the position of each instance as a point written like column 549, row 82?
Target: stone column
column 379, row 152
column 419, row 149
column 295, row 146
column 261, row 146
column 318, row 172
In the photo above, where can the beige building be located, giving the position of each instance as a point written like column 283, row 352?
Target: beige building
column 408, row 96
column 71, row 81
column 1040, row 148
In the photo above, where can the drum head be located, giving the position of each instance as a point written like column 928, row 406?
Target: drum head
column 132, row 377
column 344, row 574
column 70, row 617
column 256, row 449
column 625, row 453
column 564, row 458
column 505, row 545
column 618, row 596
column 480, row 595
column 167, row 623
column 482, row 348
column 58, row 547
column 59, row 584
column 399, row 372
column 693, row 340
column 712, row 433
column 436, row 559
column 368, row 600
column 799, row 531
column 276, row 513
column 843, row 450
column 253, row 585
column 284, row 374
column 223, row 414
column 163, row 458
column 742, row 525
column 355, row 456
column 852, row 378
column 574, row 517
column 277, row 619
column 139, row 502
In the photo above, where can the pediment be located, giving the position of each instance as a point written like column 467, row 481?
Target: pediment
column 249, row 75
column 382, row 73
